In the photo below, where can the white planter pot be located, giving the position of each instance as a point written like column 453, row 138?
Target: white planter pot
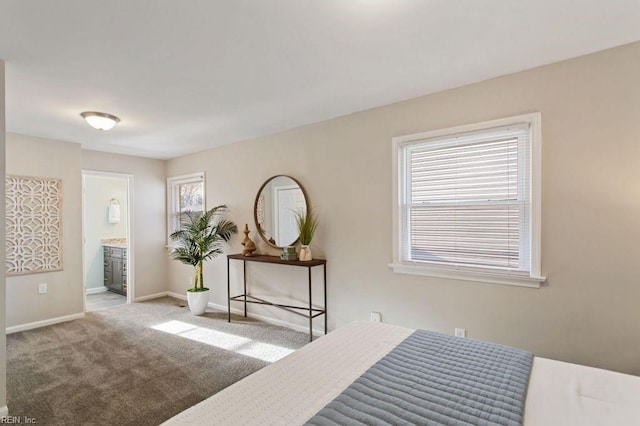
column 198, row 301
column 305, row 253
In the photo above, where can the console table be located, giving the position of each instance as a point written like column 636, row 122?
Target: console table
column 306, row 311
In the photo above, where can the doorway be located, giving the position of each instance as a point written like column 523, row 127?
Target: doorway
column 288, row 199
column 107, row 201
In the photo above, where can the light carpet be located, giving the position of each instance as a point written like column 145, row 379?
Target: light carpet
column 136, row 364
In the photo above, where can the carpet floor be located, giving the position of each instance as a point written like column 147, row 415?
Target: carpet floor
column 136, row 364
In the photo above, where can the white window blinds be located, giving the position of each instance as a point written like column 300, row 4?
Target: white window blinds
column 183, row 193
column 467, row 198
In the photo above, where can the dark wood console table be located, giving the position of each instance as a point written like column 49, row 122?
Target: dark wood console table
column 307, row 311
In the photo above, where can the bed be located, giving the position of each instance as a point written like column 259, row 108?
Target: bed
column 295, row 389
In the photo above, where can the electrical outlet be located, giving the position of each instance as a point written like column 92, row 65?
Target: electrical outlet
column 376, row 317
column 42, row 288
column 461, row 332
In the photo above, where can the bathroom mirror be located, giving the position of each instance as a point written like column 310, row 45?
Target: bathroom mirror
column 274, row 210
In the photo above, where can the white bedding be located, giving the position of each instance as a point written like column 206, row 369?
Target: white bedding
column 292, row 390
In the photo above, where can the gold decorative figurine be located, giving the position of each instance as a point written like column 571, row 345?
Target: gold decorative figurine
column 249, row 245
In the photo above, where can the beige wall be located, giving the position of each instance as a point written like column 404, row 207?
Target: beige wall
column 3, row 339
column 31, row 156
column 148, row 215
column 588, row 310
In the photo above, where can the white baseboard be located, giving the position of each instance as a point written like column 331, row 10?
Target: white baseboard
column 43, row 323
column 262, row 318
column 152, row 296
column 96, row 290
column 177, row 295
column 4, row 411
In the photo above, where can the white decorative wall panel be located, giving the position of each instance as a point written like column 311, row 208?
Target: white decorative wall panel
column 33, row 225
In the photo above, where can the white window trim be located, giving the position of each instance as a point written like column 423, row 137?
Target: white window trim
column 533, row 278
column 172, row 202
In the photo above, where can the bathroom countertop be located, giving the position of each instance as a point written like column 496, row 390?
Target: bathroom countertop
column 115, row 242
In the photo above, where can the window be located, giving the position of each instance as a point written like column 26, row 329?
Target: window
column 468, row 202
column 184, row 193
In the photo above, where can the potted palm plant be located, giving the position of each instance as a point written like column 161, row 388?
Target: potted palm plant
column 199, row 239
column 307, row 225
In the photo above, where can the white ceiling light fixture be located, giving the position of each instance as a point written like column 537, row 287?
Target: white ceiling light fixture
column 100, row 120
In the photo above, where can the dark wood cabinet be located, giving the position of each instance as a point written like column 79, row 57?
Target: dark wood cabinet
column 115, row 269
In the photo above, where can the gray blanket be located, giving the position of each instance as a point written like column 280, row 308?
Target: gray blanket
column 432, row 378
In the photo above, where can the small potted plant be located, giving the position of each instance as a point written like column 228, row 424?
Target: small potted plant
column 307, row 225
column 199, row 239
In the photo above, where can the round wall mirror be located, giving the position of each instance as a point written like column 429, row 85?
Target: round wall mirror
column 274, row 210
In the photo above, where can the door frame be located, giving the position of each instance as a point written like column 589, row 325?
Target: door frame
column 276, row 206
column 129, row 234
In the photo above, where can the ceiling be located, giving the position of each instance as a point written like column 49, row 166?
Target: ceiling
column 184, row 76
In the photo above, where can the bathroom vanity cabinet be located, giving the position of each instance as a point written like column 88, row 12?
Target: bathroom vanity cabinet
column 115, row 269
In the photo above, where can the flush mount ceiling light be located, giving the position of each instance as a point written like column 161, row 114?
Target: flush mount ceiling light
column 100, row 120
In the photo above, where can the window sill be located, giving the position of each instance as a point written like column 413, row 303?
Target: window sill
column 469, row 275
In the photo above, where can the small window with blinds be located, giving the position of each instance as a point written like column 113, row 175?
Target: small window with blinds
column 466, row 202
column 184, row 193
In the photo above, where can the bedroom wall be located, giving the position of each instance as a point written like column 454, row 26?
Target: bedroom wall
column 32, row 156
column 586, row 313
column 3, row 337
column 148, row 215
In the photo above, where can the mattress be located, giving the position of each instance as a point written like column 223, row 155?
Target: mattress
column 294, row 389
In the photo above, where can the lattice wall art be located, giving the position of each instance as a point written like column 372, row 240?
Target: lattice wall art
column 34, row 225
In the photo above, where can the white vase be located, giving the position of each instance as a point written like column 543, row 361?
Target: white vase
column 198, row 301
column 305, row 253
